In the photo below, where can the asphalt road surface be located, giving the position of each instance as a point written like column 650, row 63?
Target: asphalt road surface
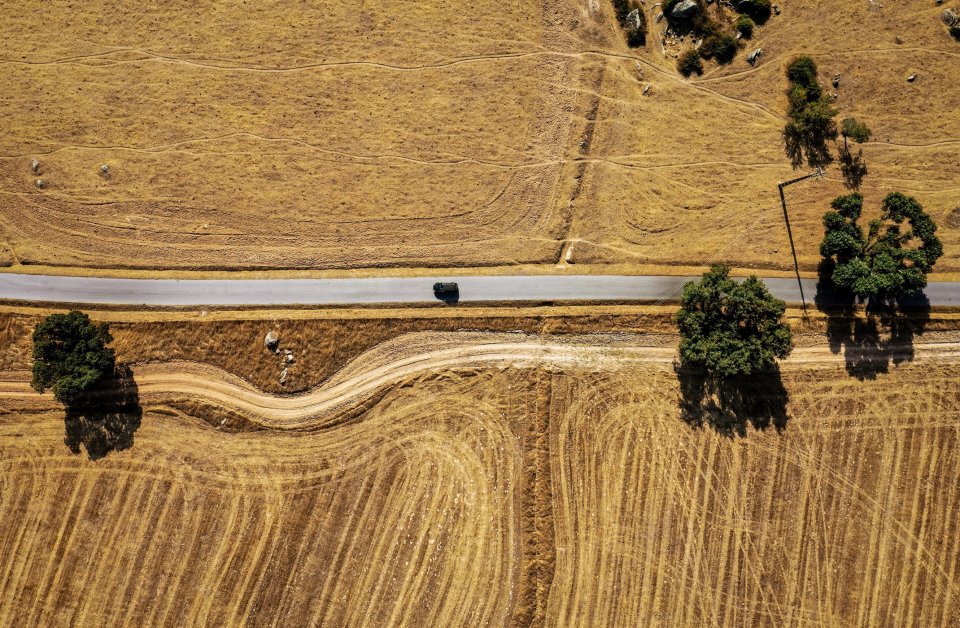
column 400, row 290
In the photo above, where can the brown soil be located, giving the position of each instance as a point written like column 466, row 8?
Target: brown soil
column 492, row 479
column 296, row 137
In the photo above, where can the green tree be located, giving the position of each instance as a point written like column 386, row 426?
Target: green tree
column 881, row 264
column 855, row 130
column 730, row 329
column 852, row 167
column 744, row 26
column 70, row 355
column 689, row 63
column 721, row 47
column 811, row 115
column 759, row 10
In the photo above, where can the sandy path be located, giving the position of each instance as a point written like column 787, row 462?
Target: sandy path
column 416, row 354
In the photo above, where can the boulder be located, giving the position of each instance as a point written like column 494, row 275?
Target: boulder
column 40, row 183
column 950, row 17
column 271, row 340
column 684, row 10
column 753, row 56
column 104, row 169
column 634, row 21
column 35, row 166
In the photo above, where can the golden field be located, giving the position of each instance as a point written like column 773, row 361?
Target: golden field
column 488, row 478
column 332, row 137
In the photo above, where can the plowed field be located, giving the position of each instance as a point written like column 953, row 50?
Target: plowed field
column 491, row 479
column 327, row 136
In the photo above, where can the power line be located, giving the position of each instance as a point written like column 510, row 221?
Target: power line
column 786, row 218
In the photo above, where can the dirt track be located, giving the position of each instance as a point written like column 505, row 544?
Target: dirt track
column 467, row 478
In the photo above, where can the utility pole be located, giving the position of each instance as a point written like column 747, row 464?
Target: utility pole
column 783, row 201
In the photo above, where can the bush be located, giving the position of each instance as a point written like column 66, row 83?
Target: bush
column 730, row 329
column 689, row 63
column 759, row 10
column 621, row 8
column 636, row 33
column 723, row 48
column 855, row 130
column 744, row 26
column 70, row 355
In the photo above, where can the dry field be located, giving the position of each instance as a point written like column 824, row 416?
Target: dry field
column 332, row 136
column 490, row 478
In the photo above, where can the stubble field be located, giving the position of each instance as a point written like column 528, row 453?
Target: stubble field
column 337, row 137
column 489, row 478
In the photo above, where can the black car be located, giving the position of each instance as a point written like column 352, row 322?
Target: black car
column 446, row 290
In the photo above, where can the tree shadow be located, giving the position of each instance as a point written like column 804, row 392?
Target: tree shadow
column 106, row 418
column 852, row 167
column 729, row 405
column 800, row 148
column 881, row 337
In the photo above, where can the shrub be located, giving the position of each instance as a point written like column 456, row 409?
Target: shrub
column 621, row 8
column 636, row 33
column 70, row 355
column 689, row 63
column 723, row 48
column 744, row 26
column 855, row 130
column 759, row 10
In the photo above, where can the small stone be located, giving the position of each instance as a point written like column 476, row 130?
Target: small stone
column 836, row 80
column 283, row 376
column 35, row 166
column 776, row 9
column 646, row 90
column 950, row 17
column 912, row 77
column 271, row 340
column 40, row 183
column 104, row 169
column 898, row 39
column 290, row 358
column 754, row 56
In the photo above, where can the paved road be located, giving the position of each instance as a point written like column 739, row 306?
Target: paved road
column 262, row 292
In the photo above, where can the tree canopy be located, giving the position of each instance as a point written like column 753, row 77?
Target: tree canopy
column 70, row 355
column 811, row 115
column 882, row 264
column 731, row 329
column 855, row 130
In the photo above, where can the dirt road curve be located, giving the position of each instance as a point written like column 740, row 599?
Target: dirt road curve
column 395, row 361
column 235, row 292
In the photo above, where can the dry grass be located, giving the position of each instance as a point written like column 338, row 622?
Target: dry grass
column 479, row 478
column 327, row 137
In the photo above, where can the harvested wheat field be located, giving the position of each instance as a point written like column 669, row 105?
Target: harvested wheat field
column 330, row 137
column 480, row 478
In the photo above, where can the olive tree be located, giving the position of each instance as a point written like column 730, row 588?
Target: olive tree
column 729, row 328
column 70, row 355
